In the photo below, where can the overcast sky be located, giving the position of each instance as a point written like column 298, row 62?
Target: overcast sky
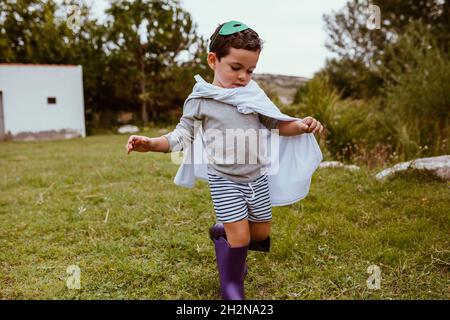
column 292, row 30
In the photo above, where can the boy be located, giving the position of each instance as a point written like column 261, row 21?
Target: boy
column 239, row 191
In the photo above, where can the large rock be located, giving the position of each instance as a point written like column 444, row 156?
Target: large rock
column 438, row 165
column 128, row 129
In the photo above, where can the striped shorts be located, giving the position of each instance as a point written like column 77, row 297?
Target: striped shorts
column 237, row 201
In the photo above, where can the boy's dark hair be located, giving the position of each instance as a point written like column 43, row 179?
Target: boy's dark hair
column 246, row 39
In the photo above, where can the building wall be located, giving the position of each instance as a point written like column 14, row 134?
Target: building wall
column 26, row 89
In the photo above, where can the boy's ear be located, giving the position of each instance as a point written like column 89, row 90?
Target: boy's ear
column 212, row 60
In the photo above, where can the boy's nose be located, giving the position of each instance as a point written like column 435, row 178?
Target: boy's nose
column 242, row 77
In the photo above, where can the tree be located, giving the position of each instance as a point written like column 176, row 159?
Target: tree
column 362, row 49
column 36, row 31
column 129, row 63
column 352, row 78
column 147, row 36
column 350, row 37
column 29, row 32
column 417, row 81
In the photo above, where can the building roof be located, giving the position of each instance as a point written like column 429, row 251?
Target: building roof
column 36, row 65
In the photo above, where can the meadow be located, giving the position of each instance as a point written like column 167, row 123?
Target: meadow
column 134, row 234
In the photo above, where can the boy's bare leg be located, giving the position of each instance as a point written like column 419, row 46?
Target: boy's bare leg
column 238, row 233
column 259, row 231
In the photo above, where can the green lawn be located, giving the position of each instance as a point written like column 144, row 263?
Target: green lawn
column 136, row 235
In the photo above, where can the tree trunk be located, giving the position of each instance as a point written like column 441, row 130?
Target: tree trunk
column 144, row 113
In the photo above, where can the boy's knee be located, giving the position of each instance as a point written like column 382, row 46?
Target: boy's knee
column 238, row 238
column 260, row 237
column 238, row 233
column 259, row 231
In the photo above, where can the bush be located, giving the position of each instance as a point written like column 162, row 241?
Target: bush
column 417, row 74
column 408, row 119
column 356, row 131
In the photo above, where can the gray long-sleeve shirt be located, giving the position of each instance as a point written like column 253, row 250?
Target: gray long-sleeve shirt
column 224, row 125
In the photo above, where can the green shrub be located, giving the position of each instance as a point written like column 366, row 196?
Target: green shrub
column 353, row 129
column 408, row 119
column 417, row 74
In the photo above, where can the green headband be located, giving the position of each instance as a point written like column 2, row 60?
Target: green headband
column 229, row 28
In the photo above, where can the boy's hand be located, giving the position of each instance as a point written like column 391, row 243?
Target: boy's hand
column 138, row 143
column 310, row 125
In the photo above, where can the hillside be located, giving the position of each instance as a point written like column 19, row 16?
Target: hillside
column 284, row 86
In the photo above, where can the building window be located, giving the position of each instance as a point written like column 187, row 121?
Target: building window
column 51, row 100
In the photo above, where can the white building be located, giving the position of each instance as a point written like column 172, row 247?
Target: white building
column 41, row 101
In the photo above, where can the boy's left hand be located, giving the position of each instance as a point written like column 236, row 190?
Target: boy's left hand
column 314, row 126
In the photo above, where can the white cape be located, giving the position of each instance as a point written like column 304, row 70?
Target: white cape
column 290, row 165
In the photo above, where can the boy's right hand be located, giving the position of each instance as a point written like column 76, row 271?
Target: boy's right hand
column 138, row 143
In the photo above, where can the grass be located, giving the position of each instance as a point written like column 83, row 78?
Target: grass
column 136, row 235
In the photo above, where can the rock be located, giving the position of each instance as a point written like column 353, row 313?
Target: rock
column 128, row 129
column 337, row 164
column 438, row 165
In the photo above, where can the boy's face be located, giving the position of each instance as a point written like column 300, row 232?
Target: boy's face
column 235, row 69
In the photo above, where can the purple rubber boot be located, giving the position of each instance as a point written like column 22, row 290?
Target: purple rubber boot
column 217, row 231
column 231, row 265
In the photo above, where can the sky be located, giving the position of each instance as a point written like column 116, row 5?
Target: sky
column 293, row 30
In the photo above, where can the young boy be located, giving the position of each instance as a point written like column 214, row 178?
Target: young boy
column 239, row 191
